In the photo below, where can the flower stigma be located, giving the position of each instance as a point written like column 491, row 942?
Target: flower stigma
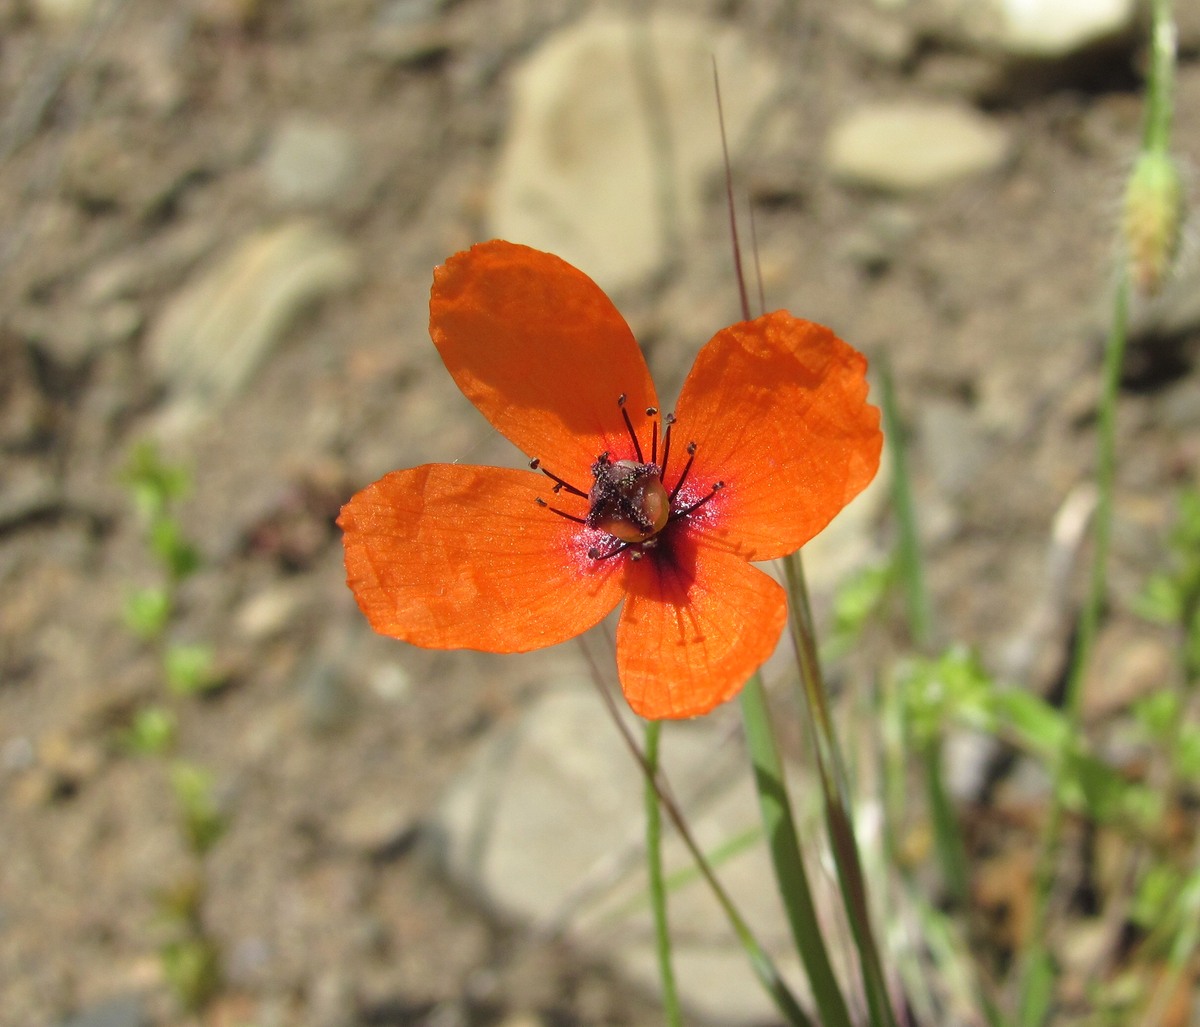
column 628, row 500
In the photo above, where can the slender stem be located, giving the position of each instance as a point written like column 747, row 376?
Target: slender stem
column 784, row 846
column 1161, row 81
column 658, row 890
column 761, row 963
column 839, row 819
column 948, row 840
column 908, row 550
column 1037, row 975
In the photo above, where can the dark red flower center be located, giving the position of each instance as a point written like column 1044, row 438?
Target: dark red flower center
column 629, row 501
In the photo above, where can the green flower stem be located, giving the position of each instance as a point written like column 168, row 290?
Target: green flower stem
column 908, row 550
column 784, row 846
column 1038, row 971
column 1161, row 83
column 764, row 968
column 836, row 793
column 947, row 838
column 1036, row 979
column 658, row 891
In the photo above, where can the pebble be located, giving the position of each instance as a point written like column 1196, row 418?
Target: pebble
column 121, row 1011
column 269, row 612
column 908, row 145
column 1037, row 29
column 1055, row 28
column 1131, row 662
column 216, row 332
column 309, row 162
column 375, row 825
column 592, row 169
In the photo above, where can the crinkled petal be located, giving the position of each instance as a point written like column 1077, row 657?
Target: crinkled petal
column 542, row 352
column 448, row 556
column 778, row 408
column 697, row 623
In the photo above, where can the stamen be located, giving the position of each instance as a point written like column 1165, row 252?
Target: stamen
column 595, row 554
column 662, row 468
column 691, row 450
column 717, row 486
column 536, row 465
column 561, row 513
column 637, row 448
column 653, row 437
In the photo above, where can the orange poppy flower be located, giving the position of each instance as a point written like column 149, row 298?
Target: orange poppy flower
column 771, row 437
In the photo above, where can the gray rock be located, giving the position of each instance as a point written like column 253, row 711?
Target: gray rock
column 1042, row 29
column 374, row 825
column 906, row 145
column 614, row 136
column 122, row 1011
column 218, row 330
column 547, row 826
column 1053, row 28
column 309, row 162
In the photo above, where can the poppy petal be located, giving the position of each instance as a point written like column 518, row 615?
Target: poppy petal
column 698, row 622
column 778, row 408
column 539, row 348
column 448, row 556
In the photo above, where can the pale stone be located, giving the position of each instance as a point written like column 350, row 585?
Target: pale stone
column 1049, row 28
column 614, row 135
column 215, row 334
column 309, row 162
column 1045, row 29
column 908, row 145
column 547, row 825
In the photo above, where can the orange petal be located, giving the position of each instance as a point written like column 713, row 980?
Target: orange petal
column 778, row 409
column 447, row 557
column 698, row 622
column 543, row 353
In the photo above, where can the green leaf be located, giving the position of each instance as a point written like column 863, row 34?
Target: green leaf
column 154, row 482
column 1092, row 785
column 203, row 822
column 1161, row 601
column 1038, row 725
column 177, row 555
column 152, row 731
column 193, row 967
column 858, row 597
column 1158, row 714
column 190, row 669
column 1154, row 901
column 147, row 611
column 1187, row 754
